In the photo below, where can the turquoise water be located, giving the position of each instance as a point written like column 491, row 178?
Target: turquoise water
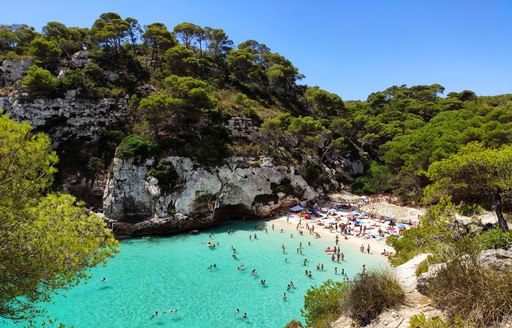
column 158, row 274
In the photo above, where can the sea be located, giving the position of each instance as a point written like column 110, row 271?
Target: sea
column 191, row 284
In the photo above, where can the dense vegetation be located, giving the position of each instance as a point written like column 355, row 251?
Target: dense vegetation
column 48, row 240
column 185, row 83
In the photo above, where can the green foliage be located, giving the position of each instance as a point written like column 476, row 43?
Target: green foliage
column 39, row 82
column 475, row 175
column 433, row 235
column 166, row 175
column 494, row 239
column 322, row 305
column 421, row 321
column 376, row 179
column 136, row 147
column 46, row 53
column 95, row 164
column 49, row 241
column 370, row 294
column 323, row 103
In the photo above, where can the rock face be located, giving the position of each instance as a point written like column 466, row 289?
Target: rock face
column 201, row 196
column 12, row 70
column 67, row 118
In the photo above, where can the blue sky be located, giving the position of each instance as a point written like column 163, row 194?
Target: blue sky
column 351, row 48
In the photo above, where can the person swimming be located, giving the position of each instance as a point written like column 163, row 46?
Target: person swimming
column 245, row 315
column 172, row 310
column 237, row 311
column 154, row 315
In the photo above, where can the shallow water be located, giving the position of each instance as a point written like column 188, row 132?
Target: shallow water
column 158, row 274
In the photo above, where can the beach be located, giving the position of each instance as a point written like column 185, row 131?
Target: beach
column 366, row 208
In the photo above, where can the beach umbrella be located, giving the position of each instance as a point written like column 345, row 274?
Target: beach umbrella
column 355, row 211
column 401, row 225
column 389, row 219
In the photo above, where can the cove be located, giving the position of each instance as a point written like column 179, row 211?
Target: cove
column 163, row 273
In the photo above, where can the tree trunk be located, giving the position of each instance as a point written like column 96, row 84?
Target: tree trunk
column 499, row 213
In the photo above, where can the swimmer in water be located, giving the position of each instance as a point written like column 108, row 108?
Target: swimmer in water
column 237, row 311
column 172, row 311
column 154, row 315
column 244, row 316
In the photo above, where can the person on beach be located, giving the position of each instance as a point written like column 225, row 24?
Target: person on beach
column 342, row 257
column 368, row 248
column 361, row 248
column 272, row 227
column 281, row 230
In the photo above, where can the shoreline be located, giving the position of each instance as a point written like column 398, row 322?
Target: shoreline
column 376, row 246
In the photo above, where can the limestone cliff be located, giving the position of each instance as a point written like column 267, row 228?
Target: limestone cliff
column 67, row 118
column 136, row 204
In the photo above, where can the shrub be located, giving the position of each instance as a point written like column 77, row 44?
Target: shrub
column 166, row 175
column 371, row 293
column 495, row 238
column 136, row 147
column 477, row 293
column 39, row 82
column 421, row 321
column 322, row 305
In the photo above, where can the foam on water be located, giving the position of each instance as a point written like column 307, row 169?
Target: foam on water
column 159, row 274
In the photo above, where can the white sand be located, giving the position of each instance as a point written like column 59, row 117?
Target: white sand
column 376, row 246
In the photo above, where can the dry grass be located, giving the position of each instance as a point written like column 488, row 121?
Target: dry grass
column 476, row 293
column 237, row 104
column 246, row 148
column 370, row 294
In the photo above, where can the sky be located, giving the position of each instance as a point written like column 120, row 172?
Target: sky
column 351, row 48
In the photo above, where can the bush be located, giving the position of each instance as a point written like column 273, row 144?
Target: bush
column 421, row 321
column 322, row 305
column 39, row 82
column 495, row 238
column 478, row 294
column 136, row 147
column 166, row 175
column 371, row 293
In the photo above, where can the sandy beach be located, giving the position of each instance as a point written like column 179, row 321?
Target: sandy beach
column 290, row 224
column 407, row 217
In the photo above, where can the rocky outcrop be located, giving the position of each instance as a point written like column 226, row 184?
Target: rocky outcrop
column 200, row 196
column 12, row 70
column 67, row 118
column 242, row 127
